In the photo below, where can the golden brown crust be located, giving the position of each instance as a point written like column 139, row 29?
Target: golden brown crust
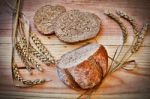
column 101, row 57
column 90, row 72
column 86, row 74
column 67, row 79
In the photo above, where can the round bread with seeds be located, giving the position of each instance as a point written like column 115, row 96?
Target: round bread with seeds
column 74, row 26
column 45, row 18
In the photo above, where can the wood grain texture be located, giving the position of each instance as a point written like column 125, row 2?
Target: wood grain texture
column 121, row 84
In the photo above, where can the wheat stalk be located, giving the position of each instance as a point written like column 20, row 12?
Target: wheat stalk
column 135, row 47
column 17, row 76
column 140, row 38
column 36, row 53
column 25, row 29
column 14, row 35
column 16, row 73
column 122, row 26
column 135, row 30
column 124, row 31
column 23, row 51
column 130, row 20
column 25, row 61
column 40, row 56
column 42, row 48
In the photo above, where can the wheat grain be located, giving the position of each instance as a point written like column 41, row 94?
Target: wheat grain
column 42, row 48
column 135, row 30
column 34, row 82
column 39, row 44
column 134, row 48
column 124, row 32
column 140, row 39
column 122, row 26
column 25, row 61
column 23, row 51
column 40, row 56
column 16, row 73
column 130, row 20
column 17, row 76
column 36, row 53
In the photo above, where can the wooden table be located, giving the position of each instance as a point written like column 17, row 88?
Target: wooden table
column 120, row 85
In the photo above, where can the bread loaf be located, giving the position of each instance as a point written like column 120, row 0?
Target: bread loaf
column 86, row 65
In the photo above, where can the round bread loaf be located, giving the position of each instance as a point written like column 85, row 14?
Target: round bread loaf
column 45, row 18
column 74, row 26
column 86, row 65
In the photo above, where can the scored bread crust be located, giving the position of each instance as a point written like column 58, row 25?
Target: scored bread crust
column 67, row 79
column 75, row 26
column 101, row 57
column 88, row 73
column 45, row 18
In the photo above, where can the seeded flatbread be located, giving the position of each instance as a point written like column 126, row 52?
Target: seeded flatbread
column 74, row 26
column 45, row 18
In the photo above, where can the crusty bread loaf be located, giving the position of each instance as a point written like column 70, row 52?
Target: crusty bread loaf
column 45, row 18
column 87, row 65
column 74, row 26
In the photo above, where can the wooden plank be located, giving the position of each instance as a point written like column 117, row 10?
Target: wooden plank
column 104, row 39
column 114, row 82
column 142, row 57
column 121, row 84
column 14, row 95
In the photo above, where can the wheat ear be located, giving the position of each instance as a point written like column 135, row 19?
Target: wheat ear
column 42, row 48
column 36, row 53
column 140, row 38
column 17, row 76
column 122, row 26
column 130, row 19
column 24, row 52
column 25, row 61
column 136, row 46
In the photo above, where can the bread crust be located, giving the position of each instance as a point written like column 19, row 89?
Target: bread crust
column 67, row 79
column 90, row 72
column 45, row 18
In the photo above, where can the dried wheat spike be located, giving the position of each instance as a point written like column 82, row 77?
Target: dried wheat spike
column 36, row 53
column 130, row 20
column 42, row 48
column 26, row 55
column 25, row 61
column 18, row 77
column 34, row 82
column 40, row 56
column 140, row 38
column 39, row 44
column 16, row 74
column 122, row 26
